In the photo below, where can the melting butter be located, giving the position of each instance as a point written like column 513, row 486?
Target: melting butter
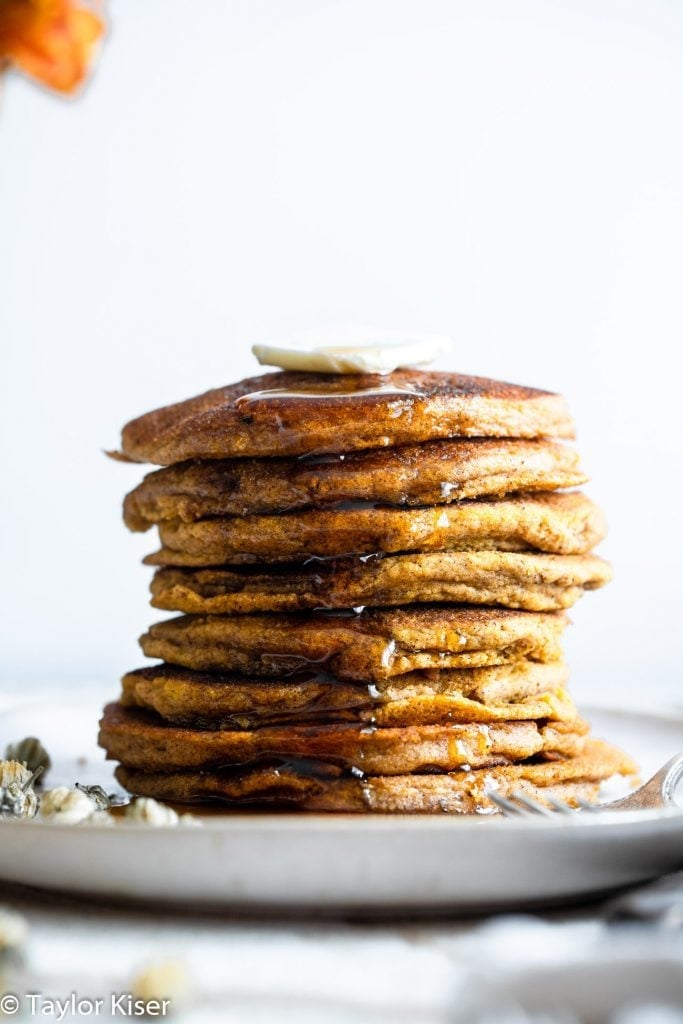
column 352, row 349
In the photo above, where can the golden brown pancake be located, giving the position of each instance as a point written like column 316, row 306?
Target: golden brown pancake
column 562, row 524
column 372, row 645
column 313, row 787
column 220, row 701
column 140, row 739
column 292, row 413
column 536, row 583
column 433, row 473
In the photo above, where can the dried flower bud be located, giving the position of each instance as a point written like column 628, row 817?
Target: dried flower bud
column 17, row 796
column 150, row 812
column 99, row 818
column 13, row 931
column 147, row 811
column 67, row 806
column 168, row 979
column 31, row 752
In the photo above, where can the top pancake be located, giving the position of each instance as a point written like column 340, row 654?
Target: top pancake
column 292, row 413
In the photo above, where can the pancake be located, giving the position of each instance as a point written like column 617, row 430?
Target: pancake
column 531, row 582
column 433, row 473
column 370, row 646
column 293, row 413
column 562, row 524
column 141, row 740
column 325, row 788
column 219, row 701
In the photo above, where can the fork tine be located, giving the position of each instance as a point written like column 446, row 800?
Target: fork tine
column 533, row 806
column 586, row 805
column 509, row 809
column 560, row 806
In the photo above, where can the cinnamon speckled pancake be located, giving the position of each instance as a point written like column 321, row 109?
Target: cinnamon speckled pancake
column 563, row 524
column 514, row 580
column 312, row 787
column 433, row 473
column 292, row 413
column 140, row 739
column 370, row 645
column 520, row 692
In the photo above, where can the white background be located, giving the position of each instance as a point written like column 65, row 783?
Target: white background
column 509, row 173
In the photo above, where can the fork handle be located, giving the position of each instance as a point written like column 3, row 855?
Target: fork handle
column 659, row 791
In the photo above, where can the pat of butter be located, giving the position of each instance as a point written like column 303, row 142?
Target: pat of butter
column 352, row 350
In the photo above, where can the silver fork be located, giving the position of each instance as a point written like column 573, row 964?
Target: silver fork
column 658, row 792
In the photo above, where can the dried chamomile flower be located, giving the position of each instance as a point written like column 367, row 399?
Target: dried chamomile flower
column 147, row 811
column 17, row 796
column 99, row 818
column 67, row 806
column 13, row 931
column 151, row 812
column 188, row 820
column 31, row 752
column 167, row 980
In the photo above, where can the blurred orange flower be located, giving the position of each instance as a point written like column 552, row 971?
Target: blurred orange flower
column 53, row 41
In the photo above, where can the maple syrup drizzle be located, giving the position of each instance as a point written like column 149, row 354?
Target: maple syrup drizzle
column 296, row 394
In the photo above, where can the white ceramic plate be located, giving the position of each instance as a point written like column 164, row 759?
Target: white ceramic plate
column 339, row 862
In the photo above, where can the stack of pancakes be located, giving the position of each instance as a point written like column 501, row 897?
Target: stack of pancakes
column 373, row 573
